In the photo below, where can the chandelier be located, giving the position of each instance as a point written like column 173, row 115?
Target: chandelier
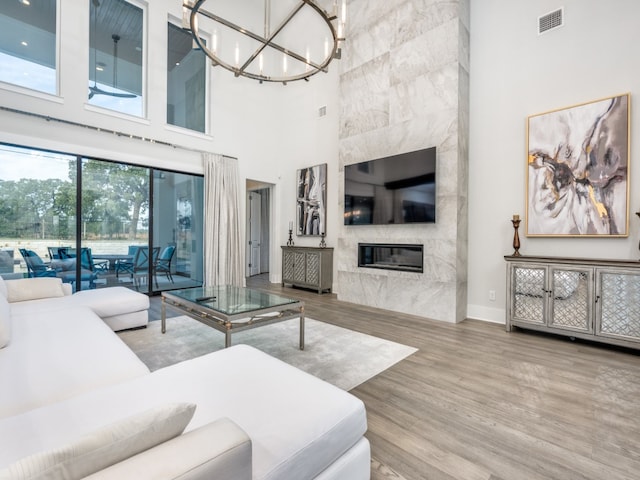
column 287, row 41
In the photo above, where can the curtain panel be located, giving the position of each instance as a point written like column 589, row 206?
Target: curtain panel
column 223, row 264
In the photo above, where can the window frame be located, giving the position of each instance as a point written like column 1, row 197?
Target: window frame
column 144, row 66
column 171, row 19
column 31, row 92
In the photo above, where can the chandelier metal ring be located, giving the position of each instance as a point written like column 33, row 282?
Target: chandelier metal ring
column 266, row 41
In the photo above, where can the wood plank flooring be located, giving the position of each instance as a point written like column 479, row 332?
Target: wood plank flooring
column 478, row 403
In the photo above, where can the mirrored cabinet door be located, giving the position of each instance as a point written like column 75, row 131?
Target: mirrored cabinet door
column 570, row 294
column 619, row 304
column 529, row 294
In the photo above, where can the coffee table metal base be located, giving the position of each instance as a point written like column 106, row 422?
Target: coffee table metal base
column 236, row 323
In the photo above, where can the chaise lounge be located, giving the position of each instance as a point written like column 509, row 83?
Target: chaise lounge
column 77, row 400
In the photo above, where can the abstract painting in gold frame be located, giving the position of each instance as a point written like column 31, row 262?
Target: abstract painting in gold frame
column 578, row 170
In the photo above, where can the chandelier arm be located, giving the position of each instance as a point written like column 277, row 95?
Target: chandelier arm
column 265, row 42
column 269, row 41
column 196, row 8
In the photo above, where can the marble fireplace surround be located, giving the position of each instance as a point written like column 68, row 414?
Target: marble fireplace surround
column 404, row 86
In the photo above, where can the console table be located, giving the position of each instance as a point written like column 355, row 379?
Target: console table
column 585, row 298
column 309, row 267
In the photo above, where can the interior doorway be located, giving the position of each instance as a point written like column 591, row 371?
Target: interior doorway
column 258, row 232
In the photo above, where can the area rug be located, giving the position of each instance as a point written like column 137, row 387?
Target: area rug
column 337, row 355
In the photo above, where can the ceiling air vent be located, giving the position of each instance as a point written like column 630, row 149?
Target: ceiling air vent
column 550, row 21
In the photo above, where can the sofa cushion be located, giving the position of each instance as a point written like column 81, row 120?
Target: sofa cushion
column 105, row 446
column 5, row 322
column 227, row 455
column 24, row 289
column 107, row 302
column 58, row 354
column 3, row 287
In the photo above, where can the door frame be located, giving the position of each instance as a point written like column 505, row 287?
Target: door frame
column 251, row 186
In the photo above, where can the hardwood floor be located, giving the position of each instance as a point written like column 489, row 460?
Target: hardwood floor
column 478, row 403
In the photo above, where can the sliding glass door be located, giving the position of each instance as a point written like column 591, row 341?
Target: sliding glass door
column 37, row 213
column 115, row 223
column 138, row 227
column 178, row 199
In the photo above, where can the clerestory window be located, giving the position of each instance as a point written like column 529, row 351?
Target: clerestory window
column 186, row 82
column 115, row 56
column 28, row 39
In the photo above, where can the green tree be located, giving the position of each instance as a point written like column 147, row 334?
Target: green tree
column 37, row 205
column 113, row 195
column 117, row 194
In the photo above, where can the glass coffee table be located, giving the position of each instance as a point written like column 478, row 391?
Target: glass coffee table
column 233, row 309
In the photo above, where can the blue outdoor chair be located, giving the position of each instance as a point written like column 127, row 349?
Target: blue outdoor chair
column 35, row 266
column 54, row 252
column 163, row 264
column 126, row 265
column 139, row 266
column 88, row 263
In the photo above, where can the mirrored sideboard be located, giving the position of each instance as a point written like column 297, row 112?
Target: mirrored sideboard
column 593, row 299
column 308, row 267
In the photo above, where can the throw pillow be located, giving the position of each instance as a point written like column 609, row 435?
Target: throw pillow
column 3, row 287
column 23, row 289
column 106, row 446
column 5, row 322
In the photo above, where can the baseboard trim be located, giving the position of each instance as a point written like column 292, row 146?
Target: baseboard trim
column 486, row 314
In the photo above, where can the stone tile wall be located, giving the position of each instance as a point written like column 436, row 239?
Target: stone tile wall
column 404, row 86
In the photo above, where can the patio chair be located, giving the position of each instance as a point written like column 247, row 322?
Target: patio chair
column 88, row 272
column 126, row 264
column 35, row 266
column 163, row 264
column 54, row 252
column 139, row 267
column 87, row 262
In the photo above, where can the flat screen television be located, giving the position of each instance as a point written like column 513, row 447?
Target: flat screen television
column 398, row 189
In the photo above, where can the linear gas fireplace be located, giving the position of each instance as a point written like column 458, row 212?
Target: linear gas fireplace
column 391, row 256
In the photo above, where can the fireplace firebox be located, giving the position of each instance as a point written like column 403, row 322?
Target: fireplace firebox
column 391, row 256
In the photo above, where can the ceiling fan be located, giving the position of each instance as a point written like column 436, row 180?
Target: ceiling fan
column 94, row 89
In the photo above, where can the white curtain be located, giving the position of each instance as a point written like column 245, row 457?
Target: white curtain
column 222, row 246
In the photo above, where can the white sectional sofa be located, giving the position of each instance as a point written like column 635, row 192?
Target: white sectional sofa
column 84, row 405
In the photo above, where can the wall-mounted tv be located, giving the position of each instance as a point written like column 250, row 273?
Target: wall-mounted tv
column 393, row 190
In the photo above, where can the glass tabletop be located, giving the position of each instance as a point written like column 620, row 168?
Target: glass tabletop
column 231, row 300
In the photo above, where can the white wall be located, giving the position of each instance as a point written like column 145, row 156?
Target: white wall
column 514, row 74
column 275, row 130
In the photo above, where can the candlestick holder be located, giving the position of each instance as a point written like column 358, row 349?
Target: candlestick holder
column 638, row 214
column 290, row 241
column 516, row 238
column 323, row 244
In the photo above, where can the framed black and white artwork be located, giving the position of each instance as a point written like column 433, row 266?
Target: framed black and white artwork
column 311, row 187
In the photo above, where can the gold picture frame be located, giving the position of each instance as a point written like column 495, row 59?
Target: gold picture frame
column 578, row 170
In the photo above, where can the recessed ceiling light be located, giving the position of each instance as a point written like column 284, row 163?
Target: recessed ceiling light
column 25, row 2
column 177, row 64
column 24, row 44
